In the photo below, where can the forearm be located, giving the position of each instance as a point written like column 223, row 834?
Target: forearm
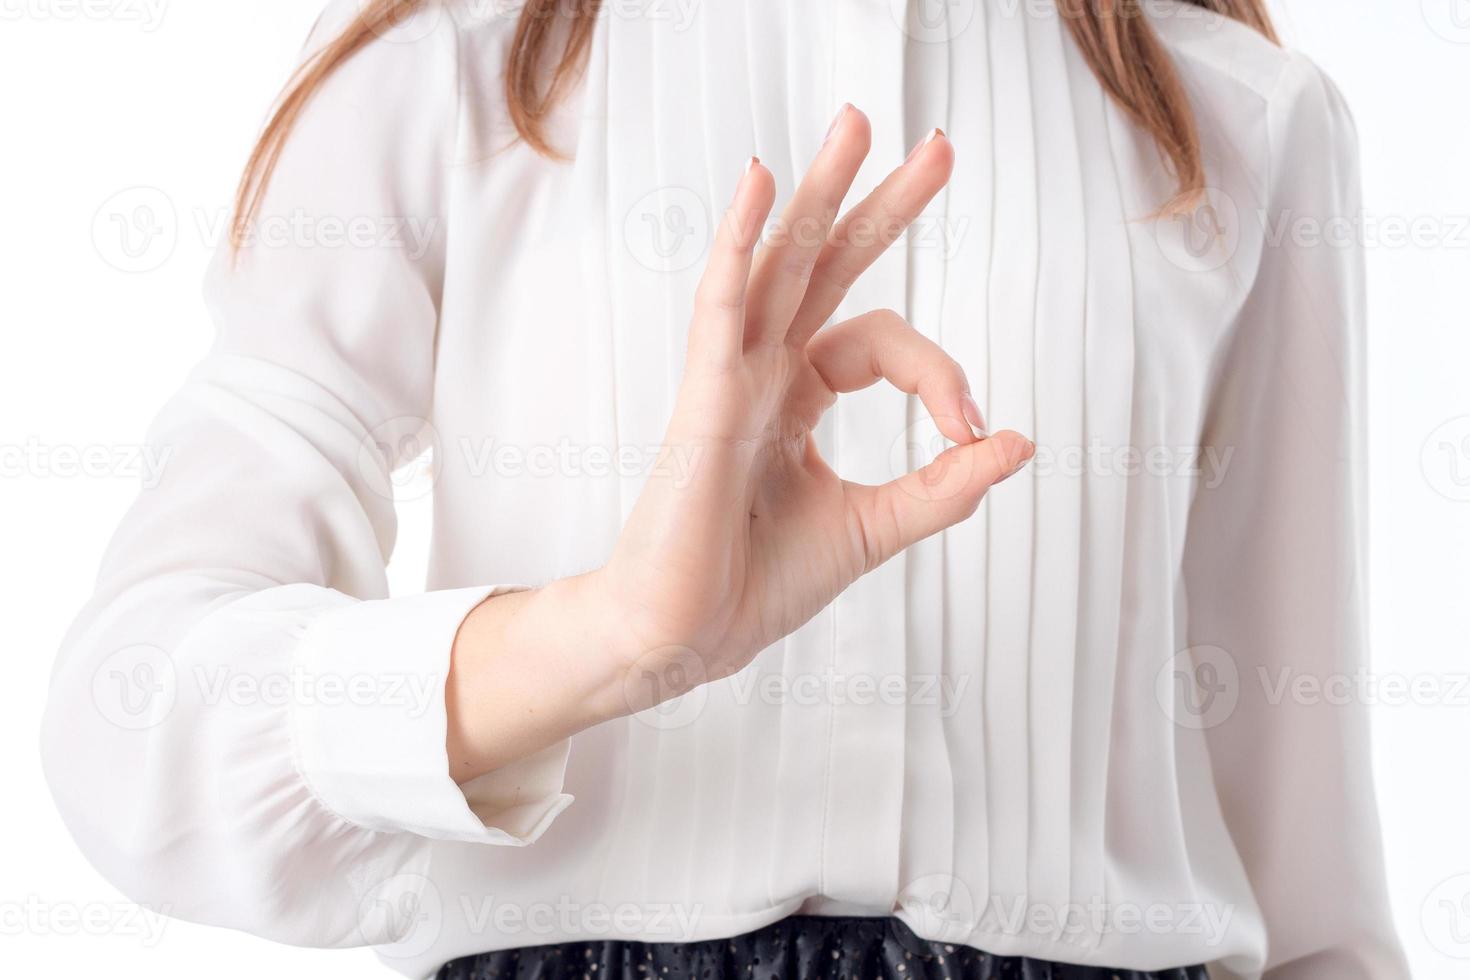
column 529, row 669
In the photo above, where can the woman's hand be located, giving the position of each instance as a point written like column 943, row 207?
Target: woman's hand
column 756, row 533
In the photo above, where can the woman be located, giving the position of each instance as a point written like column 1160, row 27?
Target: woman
column 1044, row 740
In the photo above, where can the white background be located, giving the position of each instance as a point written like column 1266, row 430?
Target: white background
column 101, row 96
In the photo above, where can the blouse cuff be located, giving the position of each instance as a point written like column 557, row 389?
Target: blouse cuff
column 369, row 726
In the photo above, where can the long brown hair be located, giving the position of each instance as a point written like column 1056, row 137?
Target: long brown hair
column 1113, row 35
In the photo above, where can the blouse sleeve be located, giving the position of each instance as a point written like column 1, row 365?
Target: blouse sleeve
column 1275, row 566
column 242, row 728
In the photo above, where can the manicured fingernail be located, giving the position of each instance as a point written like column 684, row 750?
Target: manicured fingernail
column 1027, row 451
column 836, row 120
column 936, row 131
column 973, row 416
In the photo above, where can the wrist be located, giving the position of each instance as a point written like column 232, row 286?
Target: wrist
column 584, row 642
column 529, row 669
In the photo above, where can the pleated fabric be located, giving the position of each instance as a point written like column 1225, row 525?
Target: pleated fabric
column 942, row 743
column 996, row 739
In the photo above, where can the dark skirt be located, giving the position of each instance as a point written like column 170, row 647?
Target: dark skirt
column 803, row 947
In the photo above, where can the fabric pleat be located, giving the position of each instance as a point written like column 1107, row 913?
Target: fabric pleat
column 1010, row 516
column 966, row 334
column 1059, row 420
column 1107, row 347
column 934, row 689
column 864, row 781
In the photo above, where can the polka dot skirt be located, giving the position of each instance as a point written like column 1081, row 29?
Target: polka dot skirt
column 798, row 948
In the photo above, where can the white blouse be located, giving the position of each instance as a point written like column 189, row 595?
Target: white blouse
column 1066, row 728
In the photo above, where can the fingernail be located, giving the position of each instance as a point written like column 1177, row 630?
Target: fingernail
column 936, row 131
column 973, row 416
column 1028, row 451
column 749, row 166
column 835, row 120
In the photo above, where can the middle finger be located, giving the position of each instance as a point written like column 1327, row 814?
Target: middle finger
column 783, row 268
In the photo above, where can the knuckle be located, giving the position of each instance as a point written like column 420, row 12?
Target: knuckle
column 797, row 265
column 890, row 319
column 711, row 297
column 835, row 272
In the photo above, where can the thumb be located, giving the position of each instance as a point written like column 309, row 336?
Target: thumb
column 901, row 512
